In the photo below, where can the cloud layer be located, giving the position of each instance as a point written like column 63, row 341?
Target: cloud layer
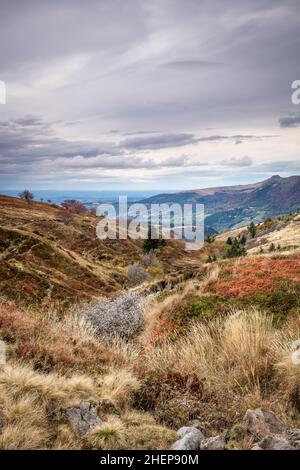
column 163, row 93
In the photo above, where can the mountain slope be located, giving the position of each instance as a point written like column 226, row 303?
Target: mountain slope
column 232, row 206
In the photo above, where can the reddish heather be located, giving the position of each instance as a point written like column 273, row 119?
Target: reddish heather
column 163, row 329
column 248, row 276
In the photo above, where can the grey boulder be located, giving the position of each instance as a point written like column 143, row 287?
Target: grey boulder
column 263, row 422
column 272, row 442
column 190, row 439
column 83, row 418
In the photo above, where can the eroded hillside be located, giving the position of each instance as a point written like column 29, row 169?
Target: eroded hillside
column 50, row 256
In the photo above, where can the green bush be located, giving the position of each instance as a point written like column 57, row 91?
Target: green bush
column 236, row 249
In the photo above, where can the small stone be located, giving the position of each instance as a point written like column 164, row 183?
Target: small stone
column 83, row 418
column 293, row 436
column 256, row 447
column 273, row 442
column 263, row 422
column 213, row 443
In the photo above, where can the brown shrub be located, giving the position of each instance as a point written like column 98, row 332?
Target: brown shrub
column 74, row 206
column 49, row 346
column 136, row 274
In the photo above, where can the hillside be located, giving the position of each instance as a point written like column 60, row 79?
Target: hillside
column 51, row 257
column 208, row 341
column 283, row 232
column 233, row 206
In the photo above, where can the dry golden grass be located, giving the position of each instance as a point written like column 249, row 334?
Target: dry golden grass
column 118, row 386
column 133, row 431
column 18, row 380
column 22, row 436
column 66, row 439
column 134, row 418
column 25, row 422
column 110, row 436
column 127, row 352
column 287, row 237
column 153, row 318
column 285, row 352
column 150, row 437
column 78, row 327
column 28, row 400
column 217, row 370
column 220, row 354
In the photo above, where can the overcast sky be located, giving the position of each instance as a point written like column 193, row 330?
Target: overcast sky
column 156, row 94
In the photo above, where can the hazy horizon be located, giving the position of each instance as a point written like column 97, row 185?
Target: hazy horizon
column 150, row 191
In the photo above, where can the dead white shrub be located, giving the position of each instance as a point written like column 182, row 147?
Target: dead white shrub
column 136, row 274
column 150, row 259
column 120, row 317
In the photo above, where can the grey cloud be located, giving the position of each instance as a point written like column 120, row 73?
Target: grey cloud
column 238, row 162
column 128, row 134
column 51, row 30
column 159, row 142
column 191, row 64
column 257, row 40
column 26, row 124
column 290, row 121
column 237, row 138
column 178, row 161
column 30, row 139
column 102, row 162
column 29, row 121
column 283, row 166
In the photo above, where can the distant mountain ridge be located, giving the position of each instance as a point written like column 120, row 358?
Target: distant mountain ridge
column 234, row 206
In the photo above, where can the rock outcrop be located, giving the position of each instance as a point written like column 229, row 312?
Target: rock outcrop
column 267, row 429
column 270, row 431
column 192, row 438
